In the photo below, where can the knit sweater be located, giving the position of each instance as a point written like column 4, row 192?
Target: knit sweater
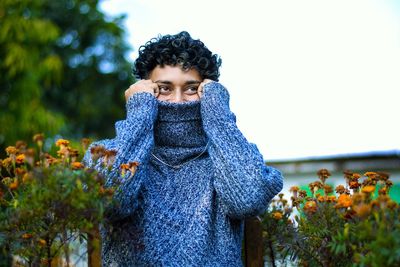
column 191, row 214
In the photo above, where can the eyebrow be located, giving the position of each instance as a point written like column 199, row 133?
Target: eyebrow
column 186, row 83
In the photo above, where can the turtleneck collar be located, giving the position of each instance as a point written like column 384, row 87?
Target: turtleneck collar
column 178, row 131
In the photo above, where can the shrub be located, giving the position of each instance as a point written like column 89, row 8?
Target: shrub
column 354, row 227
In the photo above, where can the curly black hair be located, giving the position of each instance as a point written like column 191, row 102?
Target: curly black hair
column 179, row 49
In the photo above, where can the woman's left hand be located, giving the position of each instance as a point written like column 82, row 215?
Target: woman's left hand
column 201, row 86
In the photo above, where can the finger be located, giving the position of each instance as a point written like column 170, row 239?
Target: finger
column 156, row 90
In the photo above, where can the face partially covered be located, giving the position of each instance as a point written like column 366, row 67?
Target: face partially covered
column 176, row 85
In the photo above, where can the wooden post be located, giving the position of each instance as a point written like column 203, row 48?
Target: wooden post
column 253, row 243
column 94, row 248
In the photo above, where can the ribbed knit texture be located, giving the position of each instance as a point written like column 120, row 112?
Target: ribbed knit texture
column 192, row 215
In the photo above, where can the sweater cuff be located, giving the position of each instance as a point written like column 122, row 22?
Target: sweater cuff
column 215, row 104
column 141, row 105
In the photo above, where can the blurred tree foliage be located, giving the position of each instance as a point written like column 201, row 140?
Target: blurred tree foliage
column 63, row 69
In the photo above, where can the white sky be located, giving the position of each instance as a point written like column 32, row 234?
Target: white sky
column 306, row 78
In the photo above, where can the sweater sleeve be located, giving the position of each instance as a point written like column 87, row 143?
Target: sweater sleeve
column 133, row 142
column 244, row 183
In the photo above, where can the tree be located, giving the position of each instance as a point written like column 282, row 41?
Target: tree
column 64, row 69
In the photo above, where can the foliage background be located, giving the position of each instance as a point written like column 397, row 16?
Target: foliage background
column 63, row 69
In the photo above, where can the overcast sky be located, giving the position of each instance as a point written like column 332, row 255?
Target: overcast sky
column 306, row 78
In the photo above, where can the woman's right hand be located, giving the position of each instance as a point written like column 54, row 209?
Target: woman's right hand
column 142, row 86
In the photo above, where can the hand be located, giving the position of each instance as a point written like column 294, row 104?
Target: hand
column 201, row 86
column 142, row 86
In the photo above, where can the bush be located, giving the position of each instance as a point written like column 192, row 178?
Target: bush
column 354, row 227
column 48, row 201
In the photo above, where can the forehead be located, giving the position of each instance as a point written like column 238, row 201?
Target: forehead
column 174, row 74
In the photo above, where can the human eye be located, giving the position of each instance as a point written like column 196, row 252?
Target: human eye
column 191, row 90
column 164, row 90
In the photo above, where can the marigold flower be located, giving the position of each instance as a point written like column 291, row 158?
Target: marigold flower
column 11, row 150
column 85, row 143
column 328, row 189
column 42, row 242
column 294, row 189
column 277, row 215
column 77, row 165
column 383, row 191
column 383, row 176
column 310, row 206
column 340, row 189
column 368, row 189
column 21, row 145
column 109, row 157
column 133, row 166
column 19, row 172
column 344, row 201
column 302, row 193
column 20, row 159
column 356, row 176
column 362, row 210
column 388, row 183
column 38, row 137
column 348, row 174
column 331, row 198
column 370, row 174
column 321, row 198
column 315, row 186
column 14, row 184
column 62, row 143
column 354, row 185
column 97, row 152
column 27, row 236
column 323, row 174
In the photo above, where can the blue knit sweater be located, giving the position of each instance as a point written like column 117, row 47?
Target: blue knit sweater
column 191, row 215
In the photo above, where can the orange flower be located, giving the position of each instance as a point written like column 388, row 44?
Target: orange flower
column 19, row 172
column 331, row 198
column 124, row 167
column 42, row 242
column 356, row 176
column 294, row 189
column 362, row 210
column 77, row 165
column 370, row 174
column 310, row 206
column 62, row 143
column 383, row 191
column 38, row 138
column 328, row 189
column 302, row 193
column 323, row 174
column 27, row 236
column 14, row 184
column 277, row 215
column 340, row 189
column 321, row 198
column 344, row 201
column 11, row 150
column 97, row 152
column 85, row 143
column 368, row 189
column 20, row 159
column 354, row 185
